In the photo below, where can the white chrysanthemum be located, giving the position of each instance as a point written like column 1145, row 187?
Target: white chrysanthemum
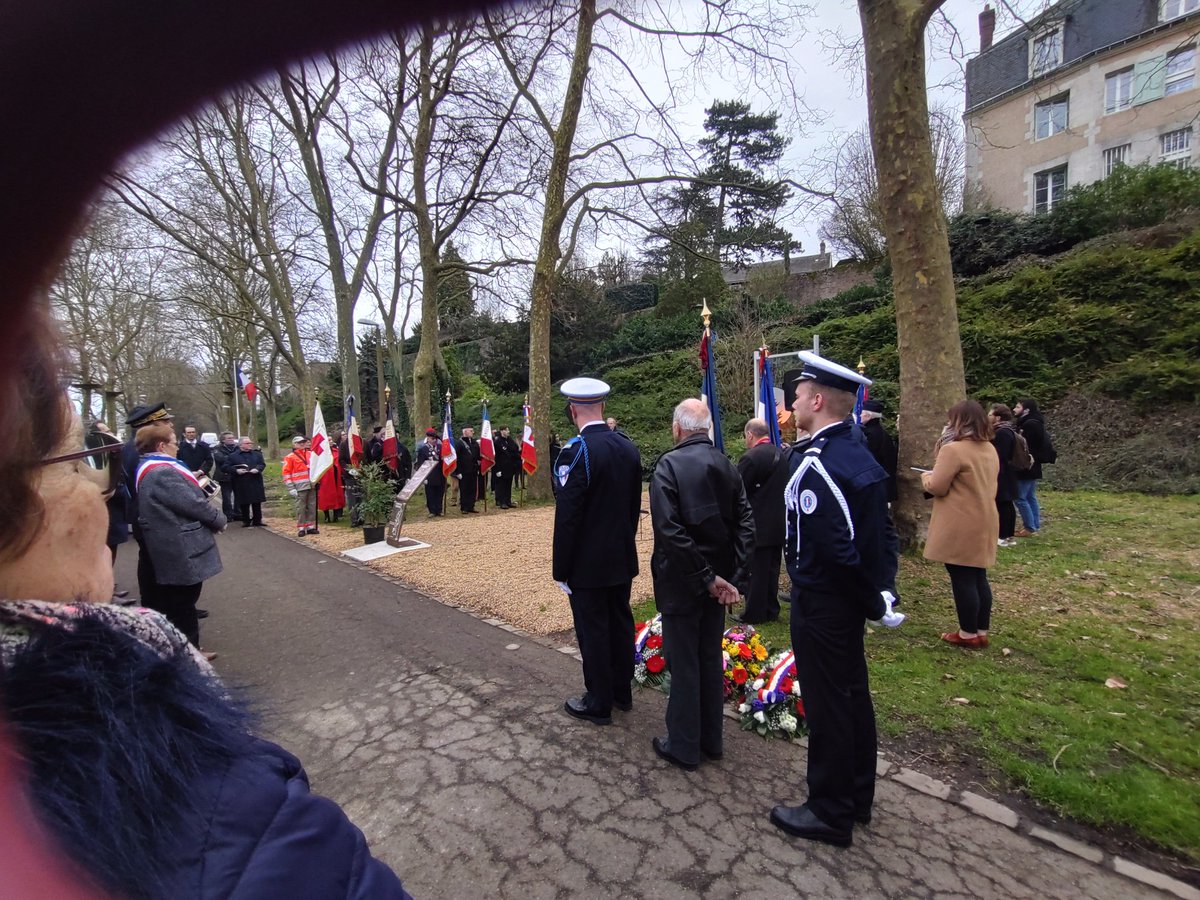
column 744, row 708
column 760, row 717
column 788, row 723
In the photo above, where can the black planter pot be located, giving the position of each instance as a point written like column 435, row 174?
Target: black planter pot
column 372, row 535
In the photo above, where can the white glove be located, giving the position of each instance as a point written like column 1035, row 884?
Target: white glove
column 293, row 492
column 890, row 619
column 566, row 588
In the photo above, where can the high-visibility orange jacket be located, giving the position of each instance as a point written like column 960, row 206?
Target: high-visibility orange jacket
column 295, row 470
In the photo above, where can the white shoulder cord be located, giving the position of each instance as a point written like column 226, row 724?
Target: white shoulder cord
column 791, row 493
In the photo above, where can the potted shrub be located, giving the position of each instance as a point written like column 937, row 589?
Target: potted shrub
column 375, row 506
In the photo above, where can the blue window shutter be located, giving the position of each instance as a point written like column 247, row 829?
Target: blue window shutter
column 1149, row 80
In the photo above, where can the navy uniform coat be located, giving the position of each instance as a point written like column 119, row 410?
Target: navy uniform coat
column 599, row 503
column 426, row 452
column 764, row 470
column 842, row 550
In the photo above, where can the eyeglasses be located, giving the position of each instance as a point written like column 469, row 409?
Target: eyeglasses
column 97, row 459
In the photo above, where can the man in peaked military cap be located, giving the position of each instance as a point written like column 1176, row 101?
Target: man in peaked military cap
column 138, row 417
column 599, row 481
column 841, row 556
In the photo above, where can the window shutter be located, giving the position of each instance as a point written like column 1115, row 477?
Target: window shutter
column 1149, row 80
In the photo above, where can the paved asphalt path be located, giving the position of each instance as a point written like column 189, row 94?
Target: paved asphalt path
column 453, row 754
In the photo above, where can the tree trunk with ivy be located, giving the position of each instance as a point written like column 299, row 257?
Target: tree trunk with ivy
column 545, row 271
column 930, row 348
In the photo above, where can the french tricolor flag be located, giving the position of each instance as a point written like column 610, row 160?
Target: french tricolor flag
column 245, row 384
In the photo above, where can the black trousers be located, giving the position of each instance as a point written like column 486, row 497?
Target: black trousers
column 1008, row 518
column 692, row 644
column 972, row 597
column 228, row 506
column 604, row 631
column 466, row 492
column 434, row 496
column 762, row 603
column 178, row 603
column 502, row 484
column 250, row 510
column 148, row 586
column 827, row 636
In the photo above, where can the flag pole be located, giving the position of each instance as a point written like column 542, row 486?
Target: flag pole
column 449, row 426
column 524, row 419
column 237, row 403
column 482, row 477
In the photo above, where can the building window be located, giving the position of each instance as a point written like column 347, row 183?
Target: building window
column 1046, row 51
column 1118, row 90
column 1115, row 156
column 1181, row 71
column 1049, row 187
column 1176, row 148
column 1050, row 117
column 1173, row 9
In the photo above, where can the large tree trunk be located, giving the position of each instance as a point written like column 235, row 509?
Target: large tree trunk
column 930, row 348
column 545, row 272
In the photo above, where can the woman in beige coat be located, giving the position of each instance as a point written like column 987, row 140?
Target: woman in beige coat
column 964, row 526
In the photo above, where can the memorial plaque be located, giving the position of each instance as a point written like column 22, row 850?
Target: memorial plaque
column 396, row 522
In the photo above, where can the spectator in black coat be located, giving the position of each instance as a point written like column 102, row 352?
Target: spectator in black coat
column 246, row 465
column 435, row 484
column 467, row 470
column 880, row 443
column 1032, row 427
column 1004, row 439
column 194, row 453
column 508, row 461
column 764, row 471
column 222, row 476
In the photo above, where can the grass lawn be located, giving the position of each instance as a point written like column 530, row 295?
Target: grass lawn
column 1108, row 592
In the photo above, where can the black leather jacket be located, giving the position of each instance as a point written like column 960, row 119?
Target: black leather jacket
column 703, row 525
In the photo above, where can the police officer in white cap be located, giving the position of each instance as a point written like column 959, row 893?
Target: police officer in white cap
column 598, row 475
column 841, row 556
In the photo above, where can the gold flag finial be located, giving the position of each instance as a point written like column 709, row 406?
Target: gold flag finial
column 862, row 366
column 387, row 391
column 706, row 313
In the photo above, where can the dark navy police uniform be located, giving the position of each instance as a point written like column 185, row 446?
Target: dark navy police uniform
column 840, row 554
column 599, row 479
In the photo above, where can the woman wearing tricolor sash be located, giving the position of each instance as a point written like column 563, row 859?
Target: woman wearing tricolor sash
column 178, row 524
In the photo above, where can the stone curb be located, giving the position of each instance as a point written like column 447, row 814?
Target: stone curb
column 975, row 804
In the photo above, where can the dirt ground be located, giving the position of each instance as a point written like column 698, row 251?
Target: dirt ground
column 495, row 562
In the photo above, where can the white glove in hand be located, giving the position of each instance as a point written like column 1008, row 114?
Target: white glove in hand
column 566, row 588
column 890, row 619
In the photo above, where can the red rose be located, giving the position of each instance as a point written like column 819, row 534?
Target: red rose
column 744, row 651
column 800, row 707
column 654, row 642
column 740, row 675
column 786, row 685
column 655, row 664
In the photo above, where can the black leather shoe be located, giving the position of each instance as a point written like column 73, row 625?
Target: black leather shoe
column 802, row 822
column 624, row 705
column 201, row 613
column 660, row 747
column 715, row 757
column 578, row 708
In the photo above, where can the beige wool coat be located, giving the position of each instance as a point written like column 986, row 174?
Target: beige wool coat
column 965, row 524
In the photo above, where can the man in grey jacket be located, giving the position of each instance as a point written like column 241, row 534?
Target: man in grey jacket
column 703, row 541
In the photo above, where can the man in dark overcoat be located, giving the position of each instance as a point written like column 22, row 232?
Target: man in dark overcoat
column 703, row 540
column 841, row 555
column 599, row 478
column 220, row 454
column 435, row 484
column 467, row 470
column 764, row 471
column 195, row 453
column 880, row 443
column 508, row 460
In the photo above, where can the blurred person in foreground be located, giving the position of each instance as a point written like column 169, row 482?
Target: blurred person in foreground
column 964, row 525
column 841, row 556
column 703, row 539
column 178, row 524
column 139, row 764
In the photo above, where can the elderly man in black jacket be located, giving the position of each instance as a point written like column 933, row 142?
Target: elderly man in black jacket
column 764, row 471
column 703, row 539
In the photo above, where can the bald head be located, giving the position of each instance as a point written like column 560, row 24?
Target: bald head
column 757, row 428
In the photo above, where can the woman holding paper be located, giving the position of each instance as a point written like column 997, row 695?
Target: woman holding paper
column 964, row 527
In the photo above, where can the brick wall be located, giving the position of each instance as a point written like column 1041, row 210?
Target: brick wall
column 807, row 288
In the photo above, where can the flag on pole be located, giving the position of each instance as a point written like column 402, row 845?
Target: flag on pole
column 321, row 460
column 708, row 387
column 353, row 438
column 767, row 408
column 860, row 397
column 244, row 383
column 449, row 454
column 389, row 438
column 528, row 450
column 487, row 448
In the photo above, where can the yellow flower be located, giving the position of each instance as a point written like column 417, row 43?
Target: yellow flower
column 760, row 652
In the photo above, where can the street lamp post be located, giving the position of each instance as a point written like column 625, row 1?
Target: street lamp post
column 378, row 365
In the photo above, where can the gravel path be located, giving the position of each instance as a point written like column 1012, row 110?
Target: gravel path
column 496, row 562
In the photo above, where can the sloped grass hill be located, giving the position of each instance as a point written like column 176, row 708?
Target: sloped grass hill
column 1106, row 337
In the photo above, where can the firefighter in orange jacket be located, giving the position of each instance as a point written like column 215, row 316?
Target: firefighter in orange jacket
column 300, row 486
